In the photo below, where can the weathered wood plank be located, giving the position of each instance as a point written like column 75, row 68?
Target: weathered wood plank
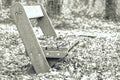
column 46, row 24
column 32, row 46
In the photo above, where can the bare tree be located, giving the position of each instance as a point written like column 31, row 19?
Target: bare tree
column 54, row 7
column 0, row 4
column 7, row 3
column 110, row 11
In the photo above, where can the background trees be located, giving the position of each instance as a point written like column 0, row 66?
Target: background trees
column 108, row 9
column 54, row 7
column 0, row 4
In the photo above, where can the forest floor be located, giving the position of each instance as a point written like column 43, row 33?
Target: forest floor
column 96, row 57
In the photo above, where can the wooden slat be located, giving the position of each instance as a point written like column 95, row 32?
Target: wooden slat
column 55, row 54
column 33, row 11
column 46, row 24
column 32, row 46
column 55, row 49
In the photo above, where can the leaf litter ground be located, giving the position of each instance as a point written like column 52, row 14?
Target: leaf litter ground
column 95, row 58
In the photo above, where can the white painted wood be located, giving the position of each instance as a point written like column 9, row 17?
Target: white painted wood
column 33, row 11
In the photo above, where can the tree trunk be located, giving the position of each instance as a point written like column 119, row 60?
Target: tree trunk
column 0, row 4
column 7, row 3
column 54, row 7
column 91, row 7
column 22, row 1
column 110, row 11
column 40, row 1
column 28, row 2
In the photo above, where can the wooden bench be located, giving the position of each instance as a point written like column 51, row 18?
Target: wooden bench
column 42, row 57
column 22, row 15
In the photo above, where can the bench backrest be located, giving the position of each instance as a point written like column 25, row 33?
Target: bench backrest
column 33, row 11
